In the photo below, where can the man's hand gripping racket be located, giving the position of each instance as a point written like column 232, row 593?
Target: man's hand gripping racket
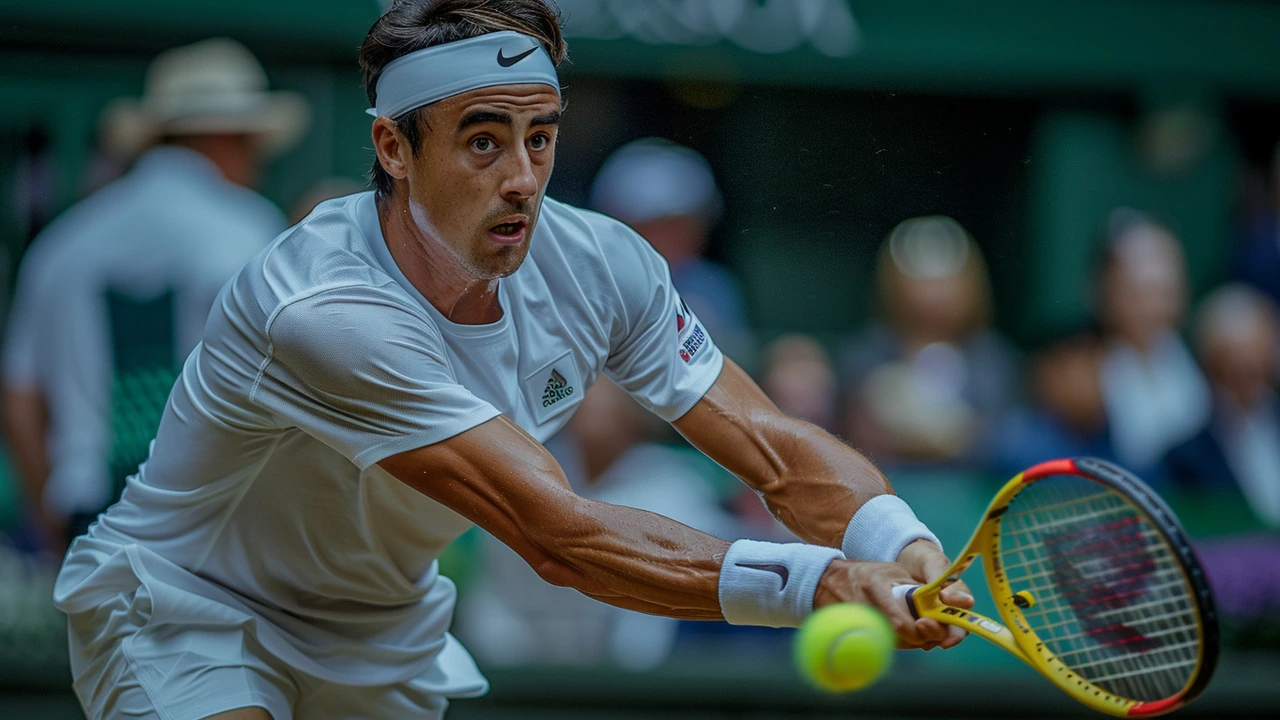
column 1097, row 586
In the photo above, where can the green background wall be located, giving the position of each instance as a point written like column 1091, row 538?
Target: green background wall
column 1026, row 121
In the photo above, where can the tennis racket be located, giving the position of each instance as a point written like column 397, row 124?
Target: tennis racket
column 1097, row 586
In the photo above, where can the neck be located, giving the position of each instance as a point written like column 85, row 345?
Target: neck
column 435, row 269
column 233, row 155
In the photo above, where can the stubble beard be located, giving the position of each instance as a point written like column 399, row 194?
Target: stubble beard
column 487, row 263
column 496, row 265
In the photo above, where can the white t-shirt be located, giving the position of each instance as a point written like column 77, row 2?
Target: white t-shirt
column 1154, row 401
column 172, row 224
column 320, row 359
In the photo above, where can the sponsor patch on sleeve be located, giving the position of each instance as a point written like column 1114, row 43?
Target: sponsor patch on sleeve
column 690, row 337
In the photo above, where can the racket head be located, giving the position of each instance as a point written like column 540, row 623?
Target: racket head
column 1100, row 588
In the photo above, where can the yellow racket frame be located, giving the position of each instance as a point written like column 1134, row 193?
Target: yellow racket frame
column 1024, row 644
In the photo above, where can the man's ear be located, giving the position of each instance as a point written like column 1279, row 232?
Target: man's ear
column 391, row 147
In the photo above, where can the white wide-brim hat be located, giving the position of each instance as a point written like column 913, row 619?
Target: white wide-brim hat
column 214, row 86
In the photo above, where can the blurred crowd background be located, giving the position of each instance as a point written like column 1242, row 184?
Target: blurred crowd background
column 964, row 237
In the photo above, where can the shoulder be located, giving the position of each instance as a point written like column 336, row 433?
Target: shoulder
column 584, row 254
column 346, row 315
column 229, row 208
column 330, row 247
column 257, row 210
column 324, row 260
column 345, row 335
column 594, row 245
column 589, row 234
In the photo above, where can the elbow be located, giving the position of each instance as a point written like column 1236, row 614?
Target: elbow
column 552, row 547
column 557, row 573
column 780, row 443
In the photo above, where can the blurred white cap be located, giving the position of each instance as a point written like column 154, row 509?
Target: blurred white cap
column 215, row 86
column 654, row 178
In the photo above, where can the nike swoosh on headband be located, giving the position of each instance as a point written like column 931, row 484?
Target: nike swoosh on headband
column 434, row 73
column 509, row 61
column 780, row 570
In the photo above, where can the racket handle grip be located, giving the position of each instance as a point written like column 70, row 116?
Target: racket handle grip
column 906, row 594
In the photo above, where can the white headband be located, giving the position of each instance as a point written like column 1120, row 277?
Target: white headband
column 435, row 73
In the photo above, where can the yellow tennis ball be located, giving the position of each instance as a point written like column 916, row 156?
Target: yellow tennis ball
column 844, row 647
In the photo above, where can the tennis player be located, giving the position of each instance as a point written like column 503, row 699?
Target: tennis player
column 383, row 376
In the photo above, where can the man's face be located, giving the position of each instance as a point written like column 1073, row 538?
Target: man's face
column 1145, row 287
column 1239, row 355
column 477, row 181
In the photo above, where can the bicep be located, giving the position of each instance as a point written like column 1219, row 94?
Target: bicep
column 364, row 375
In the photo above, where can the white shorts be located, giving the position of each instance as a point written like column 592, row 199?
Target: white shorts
column 124, row 669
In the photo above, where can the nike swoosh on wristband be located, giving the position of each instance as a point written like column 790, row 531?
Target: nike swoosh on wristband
column 780, row 570
column 509, row 61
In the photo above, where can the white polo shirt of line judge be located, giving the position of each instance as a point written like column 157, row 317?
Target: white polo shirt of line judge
column 172, row 223
column 320, row 359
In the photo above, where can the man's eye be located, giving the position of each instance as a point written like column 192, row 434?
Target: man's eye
column 538, row 142
column 482, row 144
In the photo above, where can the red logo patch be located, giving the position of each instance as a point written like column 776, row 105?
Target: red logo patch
column 682, row 314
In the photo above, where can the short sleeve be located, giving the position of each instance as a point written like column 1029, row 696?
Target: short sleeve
column 364, row 374
column 661, row 353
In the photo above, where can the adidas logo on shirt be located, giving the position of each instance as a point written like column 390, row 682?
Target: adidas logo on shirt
column 557, row 389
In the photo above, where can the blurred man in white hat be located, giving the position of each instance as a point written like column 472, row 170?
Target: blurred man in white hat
column 668, row 194
column 114, row 293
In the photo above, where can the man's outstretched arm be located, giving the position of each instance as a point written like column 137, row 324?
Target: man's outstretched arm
column 503, row 480
column 814, row 484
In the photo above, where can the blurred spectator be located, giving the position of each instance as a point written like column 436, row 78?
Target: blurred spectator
column 926, row 382
column 1067, row 417
column 668, row 194
column 114, row 293
column 797, row 375
column 510, row 616
column 1154, row 393
column 1238, row 450
column 327, row 189
column 1257, row 260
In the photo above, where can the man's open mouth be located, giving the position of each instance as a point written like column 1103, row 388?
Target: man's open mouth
column 510, row 228
column 509, row 233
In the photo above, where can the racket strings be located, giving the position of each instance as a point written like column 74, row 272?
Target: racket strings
column 1052, row 626
column 1112, row 602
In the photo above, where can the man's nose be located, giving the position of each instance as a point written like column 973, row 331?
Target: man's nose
column 520, row 182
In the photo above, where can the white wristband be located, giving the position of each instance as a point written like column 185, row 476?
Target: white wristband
column 881, row 528
column 763, row 583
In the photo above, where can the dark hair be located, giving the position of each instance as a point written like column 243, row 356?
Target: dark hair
column 411, row 25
